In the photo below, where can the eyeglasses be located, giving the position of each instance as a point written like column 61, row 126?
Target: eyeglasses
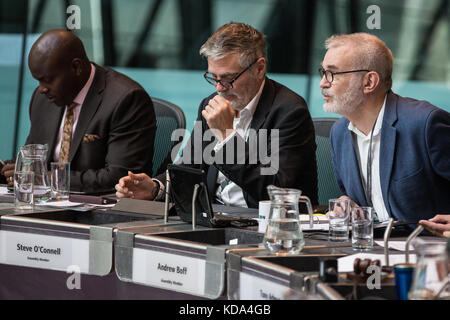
column 227, row 84
column 329, row 75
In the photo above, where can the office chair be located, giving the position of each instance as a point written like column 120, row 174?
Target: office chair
column 168, row 118
column 327, row 185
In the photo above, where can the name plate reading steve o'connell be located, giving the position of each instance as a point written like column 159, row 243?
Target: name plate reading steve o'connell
column 169, row 271
column 254, row 288
column 42, row 251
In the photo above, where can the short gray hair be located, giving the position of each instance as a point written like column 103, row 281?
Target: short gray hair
column 370, row 52
column 239, row 38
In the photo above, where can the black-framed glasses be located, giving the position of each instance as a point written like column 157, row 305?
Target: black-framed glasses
column 228, row 84
column 329, row 75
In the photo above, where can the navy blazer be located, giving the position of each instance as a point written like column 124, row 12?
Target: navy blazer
column 414, row 159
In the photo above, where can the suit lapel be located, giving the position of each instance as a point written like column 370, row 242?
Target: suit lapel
column 91, row 103
column 354, row 174
column 264, row 105
column 387, row 145
column 263, row 108
column 54, row 122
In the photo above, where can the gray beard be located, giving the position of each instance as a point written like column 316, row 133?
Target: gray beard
column 348, row 103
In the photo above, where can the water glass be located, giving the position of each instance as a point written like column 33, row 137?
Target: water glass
column 60, row 180
column 362, row 228
column 338, row 217
column 23, row 190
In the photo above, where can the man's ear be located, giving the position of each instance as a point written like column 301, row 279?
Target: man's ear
column 261, row 67
column 371, row 82
column 76, row 66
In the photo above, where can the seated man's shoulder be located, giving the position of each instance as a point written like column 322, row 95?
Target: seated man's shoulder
column 119, row 83
column 285, row 94
column 413, row 108
column 285, row 97
column 417, row 115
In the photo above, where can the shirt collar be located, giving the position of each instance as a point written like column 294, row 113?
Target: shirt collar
column 79, row 99
column 378, row 125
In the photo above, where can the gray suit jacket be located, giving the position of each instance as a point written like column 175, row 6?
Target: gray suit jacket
column 115, row 131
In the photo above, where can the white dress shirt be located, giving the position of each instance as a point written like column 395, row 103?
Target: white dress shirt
column 363, row 148
column 232, row 194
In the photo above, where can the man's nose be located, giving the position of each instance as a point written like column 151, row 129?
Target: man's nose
column 324, row 82
column 220, row 87
column 43, row 89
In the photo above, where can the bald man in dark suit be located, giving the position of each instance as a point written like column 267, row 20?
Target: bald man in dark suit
column 99, row 120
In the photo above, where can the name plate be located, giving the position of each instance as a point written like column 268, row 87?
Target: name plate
column 254, row 288
column 42, row 251
column 169, row 271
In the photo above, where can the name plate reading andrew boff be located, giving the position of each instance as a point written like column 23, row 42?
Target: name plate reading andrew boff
column 169, row 271
column 254, row 288
column 42, row 251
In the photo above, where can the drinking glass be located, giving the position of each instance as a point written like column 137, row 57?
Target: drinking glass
column 338, row 217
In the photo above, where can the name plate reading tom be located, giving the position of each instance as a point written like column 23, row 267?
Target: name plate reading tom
column 169, row 271
column 42, row 251
column 254, row 288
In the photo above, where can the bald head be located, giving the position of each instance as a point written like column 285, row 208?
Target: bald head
column 59, row 62
column 58, row 44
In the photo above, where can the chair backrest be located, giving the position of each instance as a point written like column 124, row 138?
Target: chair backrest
column 328, row 187
column 168, row 118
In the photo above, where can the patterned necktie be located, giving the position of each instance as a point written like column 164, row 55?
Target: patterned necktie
column 67, row 134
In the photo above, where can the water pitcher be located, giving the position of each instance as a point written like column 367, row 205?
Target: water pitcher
column 284, row 233
column 431, row 274
column 33, row 157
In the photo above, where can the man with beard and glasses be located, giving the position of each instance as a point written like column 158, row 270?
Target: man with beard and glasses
column 389, row 152
column 245, row 100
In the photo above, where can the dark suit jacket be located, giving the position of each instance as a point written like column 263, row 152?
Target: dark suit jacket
column 278, row 108
column 114, row 133
column 414, row 159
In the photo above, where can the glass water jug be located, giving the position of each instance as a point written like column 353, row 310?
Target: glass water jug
column 431, row 274
column 33, row 157
column 284, row 233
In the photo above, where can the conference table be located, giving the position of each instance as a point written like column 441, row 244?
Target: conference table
column 98, row 252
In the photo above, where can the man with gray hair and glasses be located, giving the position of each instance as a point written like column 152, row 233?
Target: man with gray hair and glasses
column 389, row 152
column 245, row 100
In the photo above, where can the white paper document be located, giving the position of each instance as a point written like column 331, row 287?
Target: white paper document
column 4, row 190
column 69, row 204
column 396, row 245
column 320, row 223
column 345, row 264
column 320, row 218
column 60, row 204
column 316, row 227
